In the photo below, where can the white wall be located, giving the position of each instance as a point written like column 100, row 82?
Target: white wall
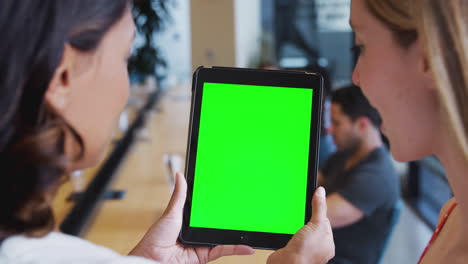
column 212, row 29
column 248, row 30
column 225, row 32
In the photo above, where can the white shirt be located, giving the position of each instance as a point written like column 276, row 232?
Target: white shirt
column 57, row 248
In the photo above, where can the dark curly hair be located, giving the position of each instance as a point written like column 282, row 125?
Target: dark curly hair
column 32, row 135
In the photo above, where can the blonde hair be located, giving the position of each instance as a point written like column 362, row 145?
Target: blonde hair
column 442, row 27
column 396, row 15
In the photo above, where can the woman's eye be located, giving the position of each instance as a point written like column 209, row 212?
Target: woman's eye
column 358, row 49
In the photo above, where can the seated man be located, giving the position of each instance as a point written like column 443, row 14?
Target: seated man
column 360, row 180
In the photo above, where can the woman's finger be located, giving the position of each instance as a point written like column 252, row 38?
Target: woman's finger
column 319, row 206
column 176, row 204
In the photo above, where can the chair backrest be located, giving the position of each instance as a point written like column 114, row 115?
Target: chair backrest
column 394, row 217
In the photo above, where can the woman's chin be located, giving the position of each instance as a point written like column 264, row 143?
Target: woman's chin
column 406, row 155
column 89, row 160
column 399, row 158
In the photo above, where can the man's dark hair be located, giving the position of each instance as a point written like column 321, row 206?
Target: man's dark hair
column 355, row 104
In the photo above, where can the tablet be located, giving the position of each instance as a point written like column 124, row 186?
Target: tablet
column 252, row 154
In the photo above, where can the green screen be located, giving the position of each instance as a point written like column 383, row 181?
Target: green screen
column 252, row 158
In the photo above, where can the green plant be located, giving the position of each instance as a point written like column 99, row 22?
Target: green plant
column 150, row 17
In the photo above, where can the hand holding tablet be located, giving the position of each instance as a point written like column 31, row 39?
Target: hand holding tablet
column 252, row 156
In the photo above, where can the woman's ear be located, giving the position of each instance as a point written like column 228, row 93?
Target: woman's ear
column 58, row 93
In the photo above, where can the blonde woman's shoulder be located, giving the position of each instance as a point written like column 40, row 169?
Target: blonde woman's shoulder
column 445, row 208
column 57, row 248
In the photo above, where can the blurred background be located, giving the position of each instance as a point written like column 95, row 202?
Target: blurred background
column 116, row 202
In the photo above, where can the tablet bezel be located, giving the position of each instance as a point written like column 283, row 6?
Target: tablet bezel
column 211, row 237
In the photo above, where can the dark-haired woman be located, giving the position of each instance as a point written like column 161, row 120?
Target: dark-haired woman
column 63, row 84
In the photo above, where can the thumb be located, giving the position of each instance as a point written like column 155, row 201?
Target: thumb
column 176, row 204
column 319, row 207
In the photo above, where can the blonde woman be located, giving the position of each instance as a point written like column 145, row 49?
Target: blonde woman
column 413, row 67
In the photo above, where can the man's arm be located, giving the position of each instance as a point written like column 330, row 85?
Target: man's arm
column 342, row 213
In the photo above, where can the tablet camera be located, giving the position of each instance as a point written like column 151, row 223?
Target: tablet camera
column 244, row 238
